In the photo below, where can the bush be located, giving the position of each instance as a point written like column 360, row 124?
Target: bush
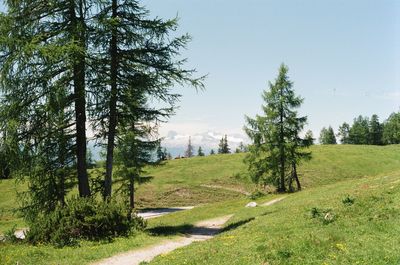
column 83, row 218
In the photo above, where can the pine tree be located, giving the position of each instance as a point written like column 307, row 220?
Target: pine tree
column 277, row 148
column 391, row 129
column 344, row 132
column 161, row 153
column 309, row 137
column 53, row 37
column 189, row 149
column 200, row 152
column 138, row 57
column 135, row 150
column 223, row 147
column 359, row 131
column 212, row 152
column 375, row 131
column 327, row 136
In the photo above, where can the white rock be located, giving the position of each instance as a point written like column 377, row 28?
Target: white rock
column 251, row 204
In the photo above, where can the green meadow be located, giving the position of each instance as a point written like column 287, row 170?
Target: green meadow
column 347, row 213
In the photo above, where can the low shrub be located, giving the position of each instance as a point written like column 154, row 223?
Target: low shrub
column 83, row 218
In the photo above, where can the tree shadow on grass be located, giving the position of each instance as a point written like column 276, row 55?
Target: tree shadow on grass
column 191, row 230
column 169, row 230
column 237, row 224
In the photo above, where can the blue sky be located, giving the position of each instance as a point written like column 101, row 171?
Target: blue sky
column 343, row 56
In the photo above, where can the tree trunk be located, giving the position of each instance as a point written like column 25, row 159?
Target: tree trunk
column 296, row 177
column 290, row 186
column 78, row 35
column 113, row 106
column 132, row 192
column 282, row 187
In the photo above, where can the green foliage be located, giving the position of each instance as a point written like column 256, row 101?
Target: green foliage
column 133, row 154
column 309, row 137
column 359, row 131
column 9, row 235
column 200, row 152
column 344, row 131
column 223, row 147
column 277, row 147
column 391, row 132
column 161, row 153
column 212, row 152
column 82, row 218
column 256, row 195
column 375, row 131
column 327, row 136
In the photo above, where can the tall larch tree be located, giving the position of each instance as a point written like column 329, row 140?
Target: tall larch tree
column 42, row 59
column 138, row 57
column 276, row 146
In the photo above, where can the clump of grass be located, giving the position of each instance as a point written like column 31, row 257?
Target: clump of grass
column 256, row 194
column 348, row 200
column 9, row 235
column 325, row 216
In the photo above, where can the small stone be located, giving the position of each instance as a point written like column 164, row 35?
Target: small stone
column 251, row 204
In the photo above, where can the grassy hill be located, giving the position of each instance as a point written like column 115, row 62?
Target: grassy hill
column 364, row 230
column 179, row 182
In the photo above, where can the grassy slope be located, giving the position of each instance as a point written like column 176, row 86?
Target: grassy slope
column 178, row 182
column 330, row 165
column 367, row 232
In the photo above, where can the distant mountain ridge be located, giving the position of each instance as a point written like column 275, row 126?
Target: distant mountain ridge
column 176, row 143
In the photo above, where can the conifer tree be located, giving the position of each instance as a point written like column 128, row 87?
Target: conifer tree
column 359, row 131
column 200, row 152
column 223, row 147
column 277, row 148
column 189, row 149
column 53, row 37
column 161, row 154
column 344, row 132
column 212, row 152
column 391, row 129
column 375, row 131
column 309, row 137
column 138, row 57
column 327, row 136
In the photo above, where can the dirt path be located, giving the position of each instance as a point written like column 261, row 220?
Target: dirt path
column 226, row 188
column 201, row 231
column 268, row 203
column 148, row 214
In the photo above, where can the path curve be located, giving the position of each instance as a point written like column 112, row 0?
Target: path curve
column 201, row 231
